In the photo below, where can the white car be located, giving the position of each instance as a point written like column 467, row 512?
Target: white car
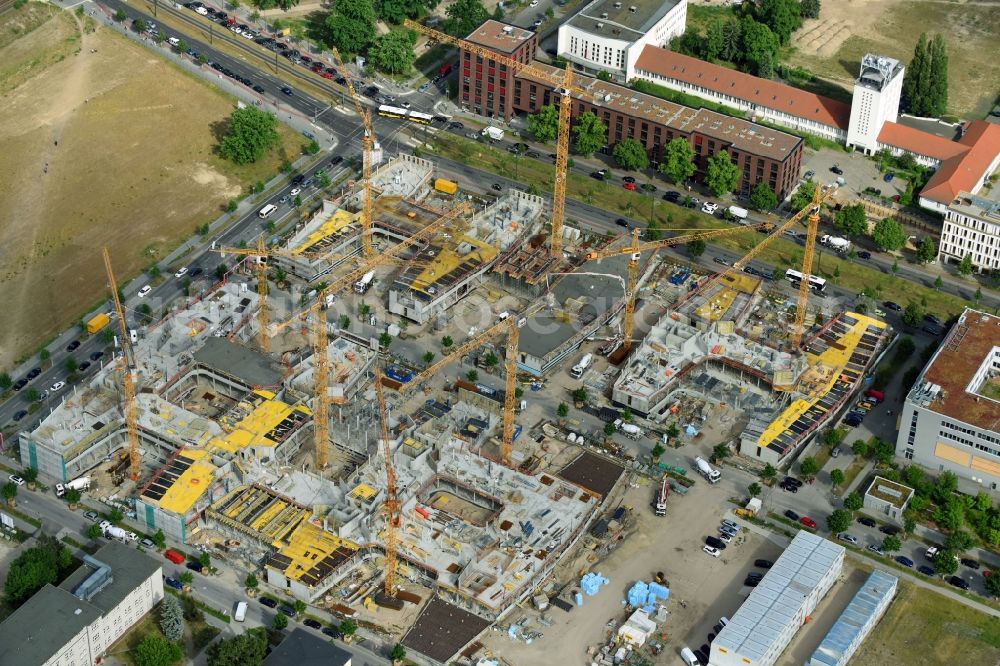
column 725, row 538
column 714, row 552
column 202, row 11
column 534, row 3
column 295, row 191
column 16, row 479
column 710, row 207
column 849, row 538
column 181, row 272
column 145, row 290
column 55, row 387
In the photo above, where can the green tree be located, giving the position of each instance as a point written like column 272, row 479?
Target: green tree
column 395, row 11
column 464, row 16
column 350, row 26
column 580, row 395
column 836, row 476
column 916, row 79
column 715, row 40
column 809, row 8
column 630, row 154
column 172, row 618
column 937, row 94
column 838, row 521
column 891, row 544
column 803, row 195
column 732, row 40
column 544, row 125
column 678, row 160
column 9, row 491
column 121, row 16
column 393, row 51
column 246, row 649
column 156, row 651
column 944, row 562
column 860, row 448
column 762, row 197
column 279, row 622
column 491, row 360
column 93, row 531
column 889, row 234
column 853, row 502
column 808, row 467
column 938, row 283
column 472, row 375
column 139, row 25
column 562, row 410
column 72, row 496
column 116, row 516
column 609, row 429
column 965, row 266
column 159, row 539
column 299, row 606
column 5, row 381
column 313, row 147
column 759, row 44
column 720, row 452
column 186, row 577
column 591, row 133
column 44, row 355
column 992, row 584
column 657, row 450
column 696, row 247
column 251, row 582
column 960, row 541
column 35, row 568
column 950, row 515
column 32, row 395
column 783, row 17
column 851, row 220
column 754, row 489
column 428, row 357
column 447, row 341
column 251, row 133
column 384, row 339
column 397, row 653
column 205, row 560
column 689, row 43
column 70, row 364
column 912, row 315
column 927, row 250
column 348, row 627
column 721, row 175
column 770, row 472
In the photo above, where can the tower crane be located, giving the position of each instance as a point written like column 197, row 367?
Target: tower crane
column 367, row 156
column 812, row 225
column 565, row 87
column 128, row 363
column 636, row 249
column 261, row 253
column 391, row 500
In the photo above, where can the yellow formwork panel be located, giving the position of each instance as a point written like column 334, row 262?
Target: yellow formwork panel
column 252, row 430
column 190, row 485
column 448, row 260
column 340, row 219
column 261, row 521
column 364, row 492
column 307, row 545
column 833, row 357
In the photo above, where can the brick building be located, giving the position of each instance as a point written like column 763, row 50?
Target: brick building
column 762, row 153
column 486, row 86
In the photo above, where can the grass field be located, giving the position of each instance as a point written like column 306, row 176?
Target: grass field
column 613, row 198
column 104, row 143
column 923, row 628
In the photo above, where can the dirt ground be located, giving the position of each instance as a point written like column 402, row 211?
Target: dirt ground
column 832, row 45
column 103, row 143
column 710, row 588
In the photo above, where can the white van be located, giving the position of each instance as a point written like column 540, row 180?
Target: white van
column 241, row 611
column 133, row 335
column 503, row 316
column 689, row 657
column 266, row 211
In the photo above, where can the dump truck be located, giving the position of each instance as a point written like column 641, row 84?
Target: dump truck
column 97, row 322
column 81, row 484
column 750, row 510
column 662, row 491
column 446, row 186
column 711, row 474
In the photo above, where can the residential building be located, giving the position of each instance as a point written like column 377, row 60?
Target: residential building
column 876, row 100
column 486, row 86
column 608, row 35
column 950, row 420
column 968, row 171
column 764, row 99
column 303, row 648
column 971, row 228
column 780, row 604
column 856, row 622
column 74, row 623
column 887, row 498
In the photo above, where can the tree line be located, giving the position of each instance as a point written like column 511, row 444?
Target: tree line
column 751, row 38
column 925, row 82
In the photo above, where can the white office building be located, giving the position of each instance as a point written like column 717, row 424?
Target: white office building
column 875, row 101
column 790, row 591
column 971, row 228
column 951, row 417
column 608, row 35
column 75, row 623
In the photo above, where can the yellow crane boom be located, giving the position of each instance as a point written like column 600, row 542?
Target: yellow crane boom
column 321, row 403
column 564, row 87
column 367, row 156
column 391, row 499
column 261, row 253
column 128, row 373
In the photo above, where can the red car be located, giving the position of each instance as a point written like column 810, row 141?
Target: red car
column 173, row 556
column 808, row 522
column 326, row 75
column 629, row 186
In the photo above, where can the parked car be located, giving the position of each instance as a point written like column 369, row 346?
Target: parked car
column 714, row 552
column 34, row 372
column 972, row 564
column 622, row 222
column 309, row 622
column 715, row 542
column 90, row 515
column 147, row 543
column 144, row 291
column 15, row 479
column 808, row 522
column 710, row 207
column 889, row 529
column 73, row 346
column 751, row 582
column 926, row 570
column 730, row 524
column 849, row 538
column 195, row 566
column 173, row 556
column 763, row 564
column 837, row 170
column 888, row 177
column 629, row 186
column 791, row 515
column 269, row 602
column 890, row 305
column 173, row 582
column 332, row 632
column 287, row 610
column 809, row 175
column 19, row 414
column 866, row 521
column 960, row 583
column 96, row 355
column 628, row 179
column 875, row 549
column 904, row 560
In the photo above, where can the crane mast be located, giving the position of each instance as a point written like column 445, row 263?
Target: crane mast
column 128, row 374
column 391, row 501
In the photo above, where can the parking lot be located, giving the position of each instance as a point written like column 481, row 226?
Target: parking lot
column 860, row 172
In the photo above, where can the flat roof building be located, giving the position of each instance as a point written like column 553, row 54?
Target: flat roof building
column 856, row 622
column 608, row 35
column 951, row 417
column 76, row 622
column 302, row 648
column 790, row 591
column 887, row 498
column 971, row 229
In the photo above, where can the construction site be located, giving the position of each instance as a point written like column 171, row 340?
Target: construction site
column 318, row 414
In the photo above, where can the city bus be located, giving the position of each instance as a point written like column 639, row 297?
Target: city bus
column 817, row 284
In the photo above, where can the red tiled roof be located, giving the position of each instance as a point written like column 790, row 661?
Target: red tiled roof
column 963, row 173
column 771, row 94
column 919, row 141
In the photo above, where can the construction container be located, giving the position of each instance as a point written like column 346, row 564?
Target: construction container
column 97, row 322
column 446, row 186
